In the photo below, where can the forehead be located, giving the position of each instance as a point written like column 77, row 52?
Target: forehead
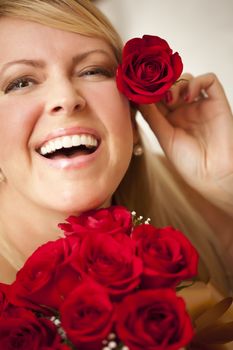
column 19, row 38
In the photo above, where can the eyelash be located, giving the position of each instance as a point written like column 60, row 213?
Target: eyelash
column 13, row 85
column 97, row 71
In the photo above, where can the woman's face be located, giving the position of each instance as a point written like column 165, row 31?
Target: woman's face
column 66, row 135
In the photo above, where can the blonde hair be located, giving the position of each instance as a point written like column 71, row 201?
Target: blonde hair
column 148, row 186
column 77, row 16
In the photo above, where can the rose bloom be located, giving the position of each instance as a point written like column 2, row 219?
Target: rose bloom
column 153, row 320
column 47, row 276
column 149, row 68
column 112, row 262
column 168, row 256
column 110, row 220
column 87, row 316
column 3, row 297
column 21, row 330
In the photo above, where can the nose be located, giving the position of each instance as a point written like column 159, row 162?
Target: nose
column 64, row 98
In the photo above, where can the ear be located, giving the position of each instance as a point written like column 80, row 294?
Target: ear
column 133, row 112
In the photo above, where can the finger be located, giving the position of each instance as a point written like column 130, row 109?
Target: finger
column 174, row 97
column 159, row 124
column 204, row 86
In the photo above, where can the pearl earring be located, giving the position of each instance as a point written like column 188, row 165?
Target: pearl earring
column 137, row 150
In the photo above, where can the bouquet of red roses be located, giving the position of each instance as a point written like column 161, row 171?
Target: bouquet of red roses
column 109, row 283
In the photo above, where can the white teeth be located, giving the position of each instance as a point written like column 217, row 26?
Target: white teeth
column 57, row 144
column 67, row 142
column 83, row 139
column 75, row 140
column 52, row 146
column 43, row 150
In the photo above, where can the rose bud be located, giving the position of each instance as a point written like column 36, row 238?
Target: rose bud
column 20, row 329
column 47, row 276
column 110, row 220
column 112, row 262
column 87, row 315
column 153, row 320
column 148, row 69
column 168, row 256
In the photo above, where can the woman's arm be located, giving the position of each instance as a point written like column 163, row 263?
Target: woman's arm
column 194, row 125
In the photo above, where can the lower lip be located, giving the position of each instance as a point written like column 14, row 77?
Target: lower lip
column 80, row 161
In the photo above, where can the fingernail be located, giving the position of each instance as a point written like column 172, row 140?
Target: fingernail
column 168, row 96
column 186, row 97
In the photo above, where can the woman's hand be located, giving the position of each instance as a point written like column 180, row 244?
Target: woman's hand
column 194, row 125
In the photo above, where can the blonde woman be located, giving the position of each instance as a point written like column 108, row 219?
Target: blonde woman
column 57, row 79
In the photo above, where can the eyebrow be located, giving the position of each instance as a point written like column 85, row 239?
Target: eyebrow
column 41, row 64
column 32, row 63
column 80, row 57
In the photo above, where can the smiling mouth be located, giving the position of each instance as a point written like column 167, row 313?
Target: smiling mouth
column 69, row 146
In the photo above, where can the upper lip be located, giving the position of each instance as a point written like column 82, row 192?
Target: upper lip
column 75, row 130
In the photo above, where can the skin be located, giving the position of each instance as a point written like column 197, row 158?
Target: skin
column 196, row 134
column 59, row 95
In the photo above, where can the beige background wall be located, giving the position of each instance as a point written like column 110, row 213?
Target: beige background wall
column 200, row 30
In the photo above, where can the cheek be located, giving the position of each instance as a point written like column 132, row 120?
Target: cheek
column 17, row 118
column 111, row 107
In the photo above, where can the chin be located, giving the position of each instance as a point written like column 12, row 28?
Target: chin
column 77, row 206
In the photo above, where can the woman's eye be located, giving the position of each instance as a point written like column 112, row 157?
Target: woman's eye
column 95, row 73
column 19, row 84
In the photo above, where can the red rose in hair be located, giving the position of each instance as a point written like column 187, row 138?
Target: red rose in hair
column 111, row 261
column 87, row 316
column 153, row 320
column 47, row 276
column 110, row 220
column 168, row 256
column 21, row 329
column 149, row 68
